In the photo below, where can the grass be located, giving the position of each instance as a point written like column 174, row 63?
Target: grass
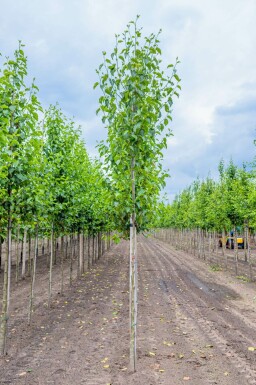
column 215, row 267
column 243, row 278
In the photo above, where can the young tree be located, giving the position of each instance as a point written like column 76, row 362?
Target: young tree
column 136, row 107
column 19, row 108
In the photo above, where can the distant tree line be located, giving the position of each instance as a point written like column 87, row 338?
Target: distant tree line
column 209, row 204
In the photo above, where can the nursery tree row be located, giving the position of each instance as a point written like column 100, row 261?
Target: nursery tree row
column 222, row 205
column 49, row 186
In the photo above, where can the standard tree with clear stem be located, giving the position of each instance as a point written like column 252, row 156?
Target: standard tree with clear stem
column 136, row 106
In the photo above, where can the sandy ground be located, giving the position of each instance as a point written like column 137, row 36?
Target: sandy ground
column 195, row 325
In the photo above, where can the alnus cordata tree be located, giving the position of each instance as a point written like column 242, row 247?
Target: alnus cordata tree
column 20, row 143
column 136, row 107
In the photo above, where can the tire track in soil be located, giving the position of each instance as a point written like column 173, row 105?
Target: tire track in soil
column 80, row 360
column 235, row 317
column 198, row 264
column 212, row 292
column 194, row 301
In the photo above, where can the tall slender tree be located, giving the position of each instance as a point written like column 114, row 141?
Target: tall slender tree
column 19, row 108
column 137, row 108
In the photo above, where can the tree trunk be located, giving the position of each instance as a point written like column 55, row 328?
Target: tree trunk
column 133, row 295
column 62, row 265
column 246, row 240
column 33, row 279
column 50, row 267
column 24, row 254
column 133, row 278
column 93, row 247
column 99, row 245
column 89, row 254
column 81, row 262
column 6, row 290
column 236, row 251
column 17, row 251
column 84, row 246
column 55, row 249
column 79, row 256
column 29, row 253
column 71, row 259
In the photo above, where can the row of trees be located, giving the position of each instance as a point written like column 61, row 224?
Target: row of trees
column 48, row 184
column 222, row 205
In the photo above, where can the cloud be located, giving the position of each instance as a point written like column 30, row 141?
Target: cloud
column 215, row 41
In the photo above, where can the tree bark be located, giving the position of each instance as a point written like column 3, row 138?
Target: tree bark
column 33, row 279
column 133, row 278
column 24, row 254
column 50, row 267
column 71, row 259
column 6, row 290
column 62, row 265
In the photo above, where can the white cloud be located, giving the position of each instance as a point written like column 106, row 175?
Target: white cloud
column 215, row 41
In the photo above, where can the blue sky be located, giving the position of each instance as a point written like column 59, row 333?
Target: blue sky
column 215, row 116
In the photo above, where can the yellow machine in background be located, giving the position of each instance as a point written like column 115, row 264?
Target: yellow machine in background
column 229, row 242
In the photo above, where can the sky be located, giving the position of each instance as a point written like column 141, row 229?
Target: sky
column 215, row 116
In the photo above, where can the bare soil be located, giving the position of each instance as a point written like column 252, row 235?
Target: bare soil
column 195, row 325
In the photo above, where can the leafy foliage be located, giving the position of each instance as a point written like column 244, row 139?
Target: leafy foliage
column 214, row 205
column 136, row 106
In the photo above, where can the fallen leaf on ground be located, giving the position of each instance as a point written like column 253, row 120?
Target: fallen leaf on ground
column 186, row 378
column 251, row 348
column 22, row 374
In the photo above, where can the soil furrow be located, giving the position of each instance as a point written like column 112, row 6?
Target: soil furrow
column 212, row 328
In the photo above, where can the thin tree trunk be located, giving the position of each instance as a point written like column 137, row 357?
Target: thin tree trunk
column 133, row 278
column 99, row 245
column 29, row 253
column 224, row 251
column 246, row 240
column 6, row 291
column 66, row 247
column 62, row 265
column 133, row 295
column 89, row 262
column 203, row 244
column 33, row 279
column 93, row 249
column 236, row 251
column 48, row 252
column 50, row 267
column 84, row 246
column 24, row 254
column 55, row 250
column 17, row 249
column 249, row 260
column 71, row 259
column 81, row 262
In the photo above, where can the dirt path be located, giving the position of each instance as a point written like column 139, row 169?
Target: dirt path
column 194, row 327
